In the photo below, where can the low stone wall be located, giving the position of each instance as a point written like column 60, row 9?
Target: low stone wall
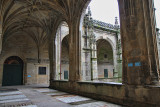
column 134, row 96
column 109, row 80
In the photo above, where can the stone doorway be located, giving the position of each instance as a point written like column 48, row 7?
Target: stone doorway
column 13, row 71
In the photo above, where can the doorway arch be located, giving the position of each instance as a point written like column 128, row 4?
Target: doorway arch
column 65, row 58
column 13, row 71
column 105, row 59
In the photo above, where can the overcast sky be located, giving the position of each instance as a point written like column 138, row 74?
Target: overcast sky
column 107, row 10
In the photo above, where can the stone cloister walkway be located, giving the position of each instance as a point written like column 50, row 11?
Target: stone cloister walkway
column 41, row 96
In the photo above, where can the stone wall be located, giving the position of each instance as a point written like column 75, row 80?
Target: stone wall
column 127, row 95
column 25, row 48
column 103, row 66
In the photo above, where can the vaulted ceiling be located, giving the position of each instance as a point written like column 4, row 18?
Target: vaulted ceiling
column 37, row 18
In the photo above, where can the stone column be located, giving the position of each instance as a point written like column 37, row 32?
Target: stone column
column 94, row 65
column 52, row 59
column 89, row 49
column 1, row 73
column 1, row 63
column 158, row 44
column 58, row 55
column 119, row 58
column 74, row 50
column 115, row 62
column 139, row 45
column 87, row 58
column 117, row 53
column 0, row 38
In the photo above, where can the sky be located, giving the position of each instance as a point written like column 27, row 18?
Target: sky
column 157, row 6
column 107, row 10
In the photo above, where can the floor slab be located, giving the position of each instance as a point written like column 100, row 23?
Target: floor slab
column 42, row 96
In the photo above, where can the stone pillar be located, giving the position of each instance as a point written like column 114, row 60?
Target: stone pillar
column 1, row 64
column 51, row 51
column 0, row 43
column 158, row 44
column 74, row 51
column 1, row 73
column 94, row 65
column 58, row 55
column 119, row 58
column 115, row 58
column 0, row 38
column 87, row 57
column 139, row 45
column 89, row 49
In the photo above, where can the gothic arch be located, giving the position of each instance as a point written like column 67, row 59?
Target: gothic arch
column 105, row 59
column 7, row 56
column 65, row 58
column 113, row 45
column 62, row 33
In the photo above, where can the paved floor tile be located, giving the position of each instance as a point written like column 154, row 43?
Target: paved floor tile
column 28, row 96
column 14, row 100
column 72, row 99
column 45, row 90
column 10, row 93
column 12, row 97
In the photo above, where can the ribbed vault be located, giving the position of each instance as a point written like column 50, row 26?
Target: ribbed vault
column 24, row 16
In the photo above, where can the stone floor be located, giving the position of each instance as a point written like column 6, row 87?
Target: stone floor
column 37, row 96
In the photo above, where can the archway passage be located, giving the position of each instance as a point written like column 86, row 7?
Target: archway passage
column 13, row 71
column 65, row 58
column 105, row 59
